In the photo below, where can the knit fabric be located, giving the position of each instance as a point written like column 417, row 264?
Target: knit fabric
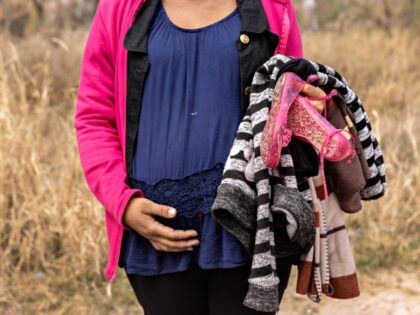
column 244, row 201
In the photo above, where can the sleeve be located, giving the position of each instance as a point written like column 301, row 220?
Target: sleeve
column 98, row 142
column 236, row 201
column 294, row 45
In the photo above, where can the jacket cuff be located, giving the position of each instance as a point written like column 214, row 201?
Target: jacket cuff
column 262, row 299
column 236, row 212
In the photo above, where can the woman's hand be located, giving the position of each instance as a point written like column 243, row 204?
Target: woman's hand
column 314, row 91
column 139, row 215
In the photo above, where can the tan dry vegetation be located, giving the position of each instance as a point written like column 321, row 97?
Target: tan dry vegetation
column 385, row 72
column 52, row 233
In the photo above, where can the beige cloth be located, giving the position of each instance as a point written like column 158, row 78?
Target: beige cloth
column 329, row 267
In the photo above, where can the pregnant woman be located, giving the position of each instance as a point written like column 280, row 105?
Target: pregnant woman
column 163, row 87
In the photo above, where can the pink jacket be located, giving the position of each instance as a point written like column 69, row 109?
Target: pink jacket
column 100, row 111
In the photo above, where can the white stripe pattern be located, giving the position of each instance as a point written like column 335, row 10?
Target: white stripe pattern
column 263, row 277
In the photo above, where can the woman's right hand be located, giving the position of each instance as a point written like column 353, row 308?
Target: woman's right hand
column 139, row 215
column 315, row 92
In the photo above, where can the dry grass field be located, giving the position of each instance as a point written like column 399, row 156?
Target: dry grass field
column 52, row 232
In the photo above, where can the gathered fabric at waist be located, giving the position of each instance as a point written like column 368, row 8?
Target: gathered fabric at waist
column 187, row 194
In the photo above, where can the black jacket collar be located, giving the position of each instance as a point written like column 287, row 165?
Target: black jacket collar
column 252, row 14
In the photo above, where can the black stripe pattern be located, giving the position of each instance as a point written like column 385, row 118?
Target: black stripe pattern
column 250, row 193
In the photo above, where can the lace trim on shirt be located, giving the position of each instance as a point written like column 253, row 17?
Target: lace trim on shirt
column 189, row 194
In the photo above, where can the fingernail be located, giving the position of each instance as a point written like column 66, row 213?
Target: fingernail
column 171, row 212
column 190, row 248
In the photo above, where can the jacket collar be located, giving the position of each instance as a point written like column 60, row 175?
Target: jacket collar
column 252, row 14
column 254, row 19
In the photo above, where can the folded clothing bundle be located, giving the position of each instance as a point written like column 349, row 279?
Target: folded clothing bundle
column 248, row 202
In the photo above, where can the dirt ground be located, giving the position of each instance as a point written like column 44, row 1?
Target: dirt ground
column 388, row 293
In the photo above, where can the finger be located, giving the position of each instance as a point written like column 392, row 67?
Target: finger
column 170, row 245
column 160, row 230
column 313, row 91
column 161, row 210
column 319, row 105
column 165, row 245
column 160, row 247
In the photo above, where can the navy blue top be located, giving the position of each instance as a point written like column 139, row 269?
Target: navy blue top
column 191, row 109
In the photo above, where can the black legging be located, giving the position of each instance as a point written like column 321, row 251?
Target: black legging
column 199, row 292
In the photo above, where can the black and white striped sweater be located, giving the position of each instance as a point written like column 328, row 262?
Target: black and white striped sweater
column 250, row 194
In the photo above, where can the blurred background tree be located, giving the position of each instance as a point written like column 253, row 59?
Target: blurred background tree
column 345, row 14
column 23, row 17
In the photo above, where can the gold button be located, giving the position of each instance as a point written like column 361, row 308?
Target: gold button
column 247, row 90
column 244, row 39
